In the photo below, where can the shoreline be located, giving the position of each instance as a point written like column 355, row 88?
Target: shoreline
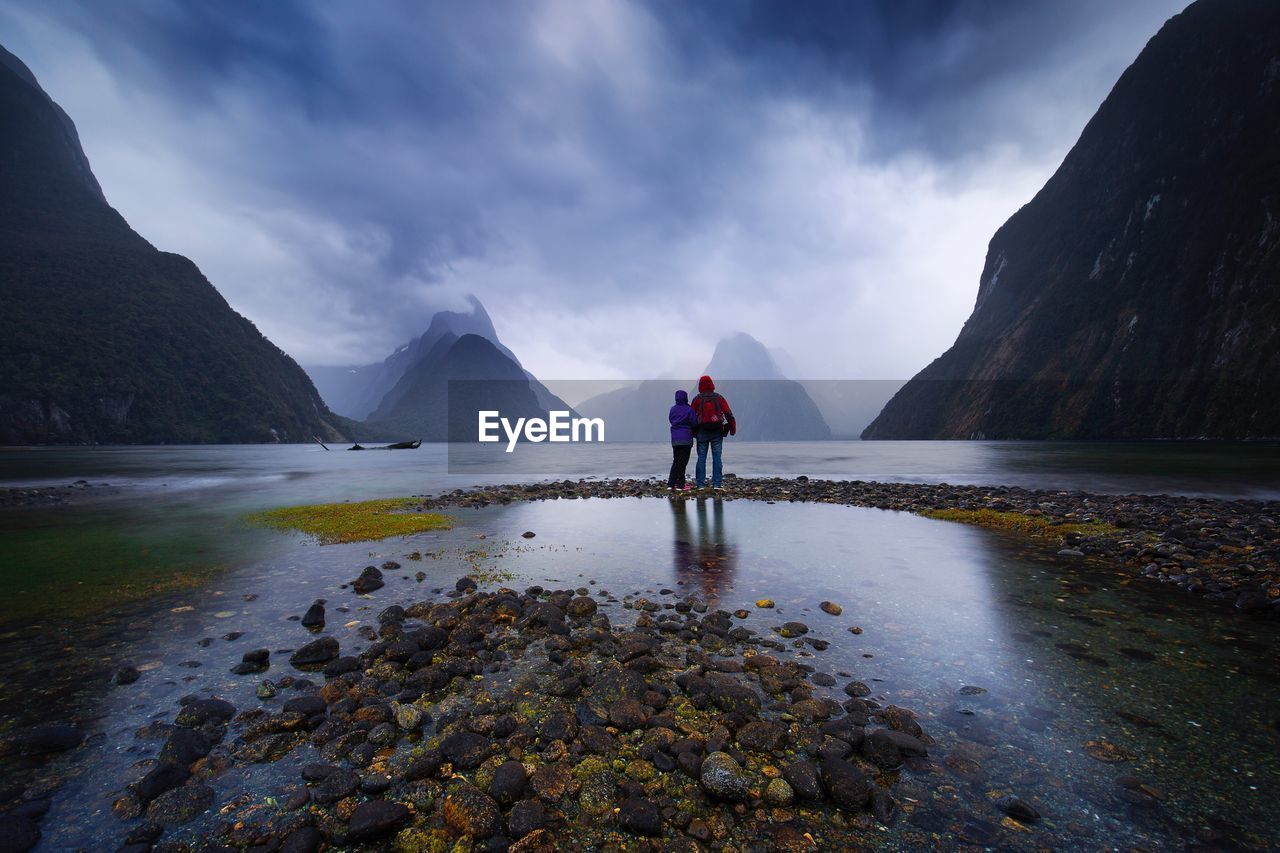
column 1222, row 550
column 579, row 718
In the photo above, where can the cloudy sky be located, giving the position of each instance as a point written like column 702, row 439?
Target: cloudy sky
column 620, row 182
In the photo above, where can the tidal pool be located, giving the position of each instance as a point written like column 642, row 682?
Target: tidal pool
column 1039, row 677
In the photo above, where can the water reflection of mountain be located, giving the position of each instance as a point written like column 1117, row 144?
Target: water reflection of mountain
column 702, row 556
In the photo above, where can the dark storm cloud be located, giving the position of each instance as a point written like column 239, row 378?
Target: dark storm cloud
column 824, row 175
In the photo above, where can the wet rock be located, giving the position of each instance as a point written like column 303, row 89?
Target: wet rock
column 127, row 807
column 597, row 788
column 590, row 713
column 598, row 740
column 525, row 817
column 793, row 629
column 883, row 805
column 184, row 746
column 581, row 606
column 341, row 746
column 471, row 812
column 201, row 712
column 375, row 819
column 314, row 617
column 465, row 750
column 17, row 834
column 180, row 805
column 640, row 815
column 509, row 783
column 299, row 798
column 126, row 675
column 629, row 714
column 735, row 697
column 764, row 603
column 144, row 833
column 1018, row 809
column 886, row 747
column 723, row 778
column 307, row 706
column 161, row 778
column 58, row 737
column 304, row 839
column 779, row 793
column 831, row 607
column 370, row 579
column 408, row 717
column 856, row 689
column 551, row 781
column 341, row 666
column 424, row 766
column 316, row 652
column 252, row 662
column 761, row 736
column 845, row 784
column 804, row 779
column 834, row 749
column 315, row 771
column 340, row 782
column 558, row 725
column 975, row 830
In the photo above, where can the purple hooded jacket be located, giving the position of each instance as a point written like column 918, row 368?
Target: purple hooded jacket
column 682, row 420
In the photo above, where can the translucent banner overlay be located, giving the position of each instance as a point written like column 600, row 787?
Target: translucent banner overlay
column 543, row 428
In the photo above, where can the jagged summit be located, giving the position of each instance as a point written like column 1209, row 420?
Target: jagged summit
column 741, row 356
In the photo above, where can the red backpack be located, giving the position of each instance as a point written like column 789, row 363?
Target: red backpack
column 707, row 407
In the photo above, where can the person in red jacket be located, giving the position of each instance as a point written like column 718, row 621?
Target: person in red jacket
column 715, row 421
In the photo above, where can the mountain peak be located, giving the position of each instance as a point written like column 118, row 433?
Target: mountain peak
column 55, row 142
column 740, row 356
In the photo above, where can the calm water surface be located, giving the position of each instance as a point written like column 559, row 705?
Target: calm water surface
column 1055, row 656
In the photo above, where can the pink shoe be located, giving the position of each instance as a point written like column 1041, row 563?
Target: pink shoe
column 687, row 488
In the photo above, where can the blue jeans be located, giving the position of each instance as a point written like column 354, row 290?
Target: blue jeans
column 700, row 470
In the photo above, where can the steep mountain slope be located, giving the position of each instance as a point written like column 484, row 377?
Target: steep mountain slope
column 439, row 397
column 102, row 337
column 768, row 406
column 1137, row 295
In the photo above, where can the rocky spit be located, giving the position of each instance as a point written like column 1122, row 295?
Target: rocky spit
column 530, row 721
column 1227, row 550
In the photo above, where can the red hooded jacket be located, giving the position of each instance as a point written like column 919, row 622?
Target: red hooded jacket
column 712, row 410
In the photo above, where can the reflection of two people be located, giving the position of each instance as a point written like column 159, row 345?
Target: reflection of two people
column 703, row 557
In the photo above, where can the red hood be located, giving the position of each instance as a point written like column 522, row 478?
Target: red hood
column 705, row 385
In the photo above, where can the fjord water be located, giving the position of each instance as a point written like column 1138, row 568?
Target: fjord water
column 1016, row 659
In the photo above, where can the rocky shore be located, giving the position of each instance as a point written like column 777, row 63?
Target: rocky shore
column 496, row 720
column 1226, row 550
column 38, row 496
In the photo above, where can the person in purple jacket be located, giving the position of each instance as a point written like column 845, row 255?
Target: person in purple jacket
column 683, row 421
